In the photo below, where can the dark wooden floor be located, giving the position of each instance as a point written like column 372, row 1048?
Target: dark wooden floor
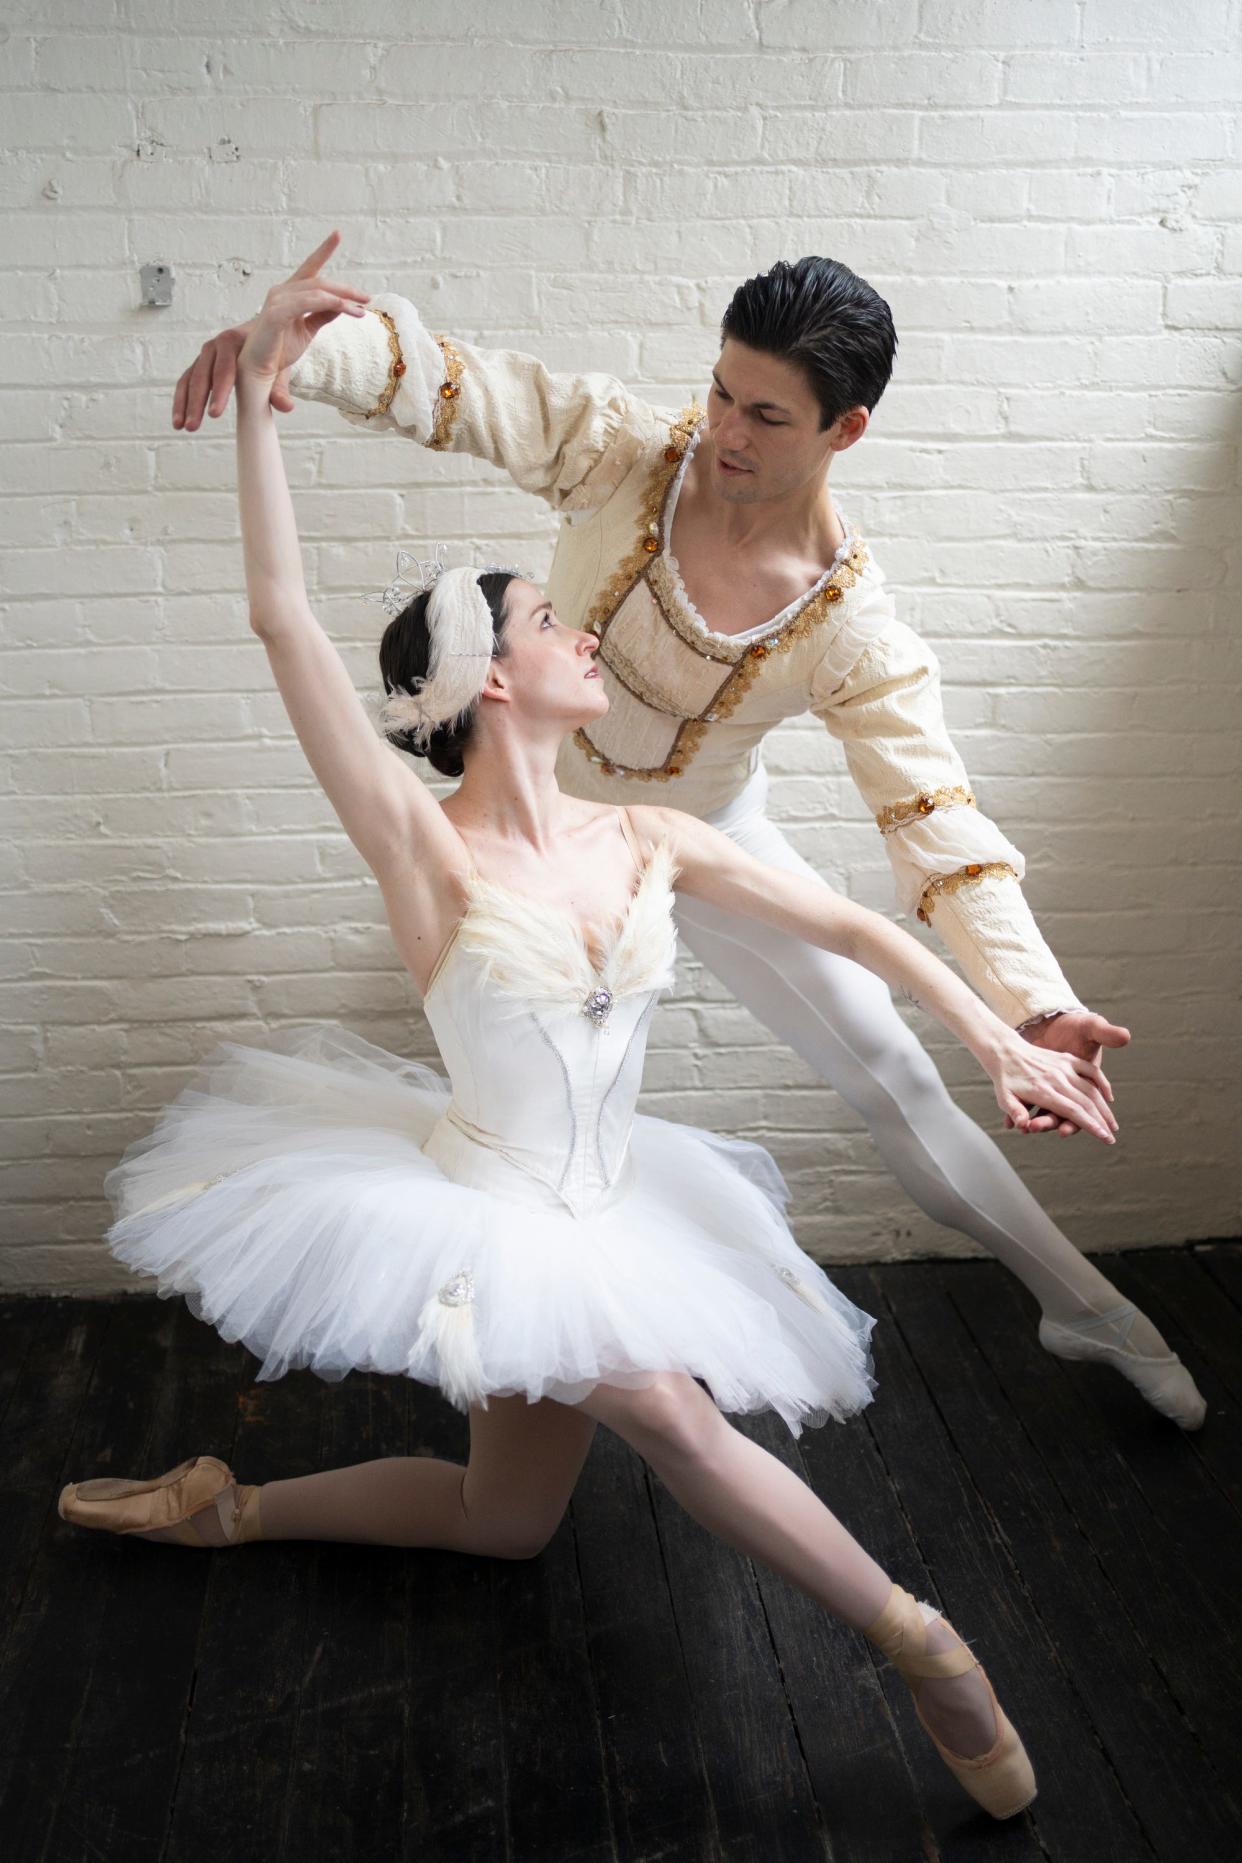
column 639, row 1691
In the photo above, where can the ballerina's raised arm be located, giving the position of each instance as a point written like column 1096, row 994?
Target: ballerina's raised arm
column 386, row 810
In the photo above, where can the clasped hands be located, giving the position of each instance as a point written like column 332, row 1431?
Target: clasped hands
column 1077, row 1033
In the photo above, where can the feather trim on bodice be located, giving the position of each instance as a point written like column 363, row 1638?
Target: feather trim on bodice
column 535, row 953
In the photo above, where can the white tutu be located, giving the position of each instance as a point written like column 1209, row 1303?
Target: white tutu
column 287, row 1197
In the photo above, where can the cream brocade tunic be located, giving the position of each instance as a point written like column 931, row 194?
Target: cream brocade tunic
column 688, row 707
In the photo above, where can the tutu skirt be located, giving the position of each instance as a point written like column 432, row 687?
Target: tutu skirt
column 287, row 1197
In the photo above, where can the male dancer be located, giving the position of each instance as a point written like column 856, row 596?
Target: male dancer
column 771, row 606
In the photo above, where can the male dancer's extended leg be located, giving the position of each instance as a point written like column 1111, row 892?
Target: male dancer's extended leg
column 840, row 1018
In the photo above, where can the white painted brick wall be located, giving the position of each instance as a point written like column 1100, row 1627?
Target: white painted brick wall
column 1049, row 193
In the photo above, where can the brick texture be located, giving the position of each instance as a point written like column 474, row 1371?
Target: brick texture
column 1050, row 197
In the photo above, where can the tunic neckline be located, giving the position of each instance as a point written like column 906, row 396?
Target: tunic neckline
column 674, row 568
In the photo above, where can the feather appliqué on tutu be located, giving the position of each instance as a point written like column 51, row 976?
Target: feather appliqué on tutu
column 535, row 953
column 446, row 1322
column 794, row 1280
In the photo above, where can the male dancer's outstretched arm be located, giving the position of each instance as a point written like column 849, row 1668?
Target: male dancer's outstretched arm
column 568, row 438
column 952, row 866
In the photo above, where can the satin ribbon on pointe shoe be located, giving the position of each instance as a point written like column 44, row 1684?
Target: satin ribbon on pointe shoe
column 165, row 1505
column 1002, row 1780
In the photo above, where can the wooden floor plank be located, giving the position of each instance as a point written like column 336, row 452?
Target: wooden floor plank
column 20, row 1324
column 346, row 1795
column 852, row 1744
column 253, row 1646
column 657, row 1777
column 980, row 1585
column 455, row 1758
column 37, row 1438
column 1158, row 1525
column 1183, row 1294
column 555, row 1776
column 59, row 1651
column 765, row 1808
column 639, row 1693
column 1161, row 1766
column 1223, row 1262
column 1200, row 1287
column 127, row 1753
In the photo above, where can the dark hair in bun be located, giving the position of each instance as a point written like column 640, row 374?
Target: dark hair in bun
column 405, row 657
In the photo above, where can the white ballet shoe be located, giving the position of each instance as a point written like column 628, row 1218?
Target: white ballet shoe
column 1163, row 1380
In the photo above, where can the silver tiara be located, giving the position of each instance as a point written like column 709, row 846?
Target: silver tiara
column 426, row 573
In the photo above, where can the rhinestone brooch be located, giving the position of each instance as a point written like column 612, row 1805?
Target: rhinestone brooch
column 459, row 1292
column 598, row 1007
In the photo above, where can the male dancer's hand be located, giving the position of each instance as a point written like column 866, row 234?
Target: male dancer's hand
column 1080, row 1032
column 208, row 382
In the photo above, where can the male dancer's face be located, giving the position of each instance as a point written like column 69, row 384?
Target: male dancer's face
column 763, row 419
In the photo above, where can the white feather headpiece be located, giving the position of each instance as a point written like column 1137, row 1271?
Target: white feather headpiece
column 460, row 625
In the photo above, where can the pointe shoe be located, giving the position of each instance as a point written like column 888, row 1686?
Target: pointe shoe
column 1002, row 1780
column 1163, row 1380
column 165, row 1508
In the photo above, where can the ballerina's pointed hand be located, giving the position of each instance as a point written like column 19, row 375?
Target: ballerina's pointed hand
column 292, row 313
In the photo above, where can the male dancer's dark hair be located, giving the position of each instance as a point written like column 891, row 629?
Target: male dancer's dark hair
column 820, row 315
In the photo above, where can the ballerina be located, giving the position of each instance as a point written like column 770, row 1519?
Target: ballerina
column 519, row 1237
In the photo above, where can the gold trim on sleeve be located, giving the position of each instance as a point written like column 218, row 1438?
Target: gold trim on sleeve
column 901, row 814
column 953, row 883
column 449, row 397
column 396, row 366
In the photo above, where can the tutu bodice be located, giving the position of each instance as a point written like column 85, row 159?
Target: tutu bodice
column 518, row 1228
column 543, row 1044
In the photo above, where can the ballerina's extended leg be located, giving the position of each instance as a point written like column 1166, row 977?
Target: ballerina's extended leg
column 748, row 1498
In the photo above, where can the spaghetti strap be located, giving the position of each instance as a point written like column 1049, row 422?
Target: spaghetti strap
column 472, row 874
column 442, row 960
column 627, row 829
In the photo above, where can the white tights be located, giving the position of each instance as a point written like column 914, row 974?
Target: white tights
column 524, row 1462
column 840, row 1018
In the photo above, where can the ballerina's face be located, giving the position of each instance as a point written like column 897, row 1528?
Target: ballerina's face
column 548, row 670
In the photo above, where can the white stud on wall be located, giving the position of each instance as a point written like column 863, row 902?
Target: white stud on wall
column 157, row 285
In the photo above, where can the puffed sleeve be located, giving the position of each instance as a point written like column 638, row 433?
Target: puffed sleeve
column 571, row 439
column 952, row 865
